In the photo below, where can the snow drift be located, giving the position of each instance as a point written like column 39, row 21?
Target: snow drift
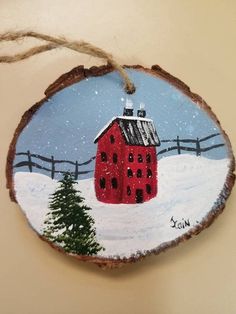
column 188, row 189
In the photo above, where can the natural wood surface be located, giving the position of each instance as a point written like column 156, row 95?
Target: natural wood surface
column 76, row 75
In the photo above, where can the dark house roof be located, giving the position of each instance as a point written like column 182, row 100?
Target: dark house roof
column 135, row 130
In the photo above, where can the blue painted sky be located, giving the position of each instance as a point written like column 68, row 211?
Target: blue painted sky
column 66, row 124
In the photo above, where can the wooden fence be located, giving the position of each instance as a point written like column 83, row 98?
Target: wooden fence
column 53, row 162
column 197, row 142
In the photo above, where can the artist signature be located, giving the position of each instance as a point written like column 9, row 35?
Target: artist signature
column 179, row 224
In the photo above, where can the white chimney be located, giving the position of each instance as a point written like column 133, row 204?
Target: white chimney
column 142, row 112
column 128, row 109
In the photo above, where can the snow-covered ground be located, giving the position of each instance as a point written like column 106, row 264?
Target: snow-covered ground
column 188, row 188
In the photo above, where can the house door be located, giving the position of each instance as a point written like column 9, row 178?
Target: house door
column 139, row 196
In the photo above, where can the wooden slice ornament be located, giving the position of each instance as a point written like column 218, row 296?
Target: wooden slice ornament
column 110, row 177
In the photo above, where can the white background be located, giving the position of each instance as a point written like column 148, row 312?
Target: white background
column 192, row 39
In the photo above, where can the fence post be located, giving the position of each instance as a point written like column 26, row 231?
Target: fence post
column 29, row 161
column 53, row 167
column 178, row 145
column 198, row 147
column 76, row 170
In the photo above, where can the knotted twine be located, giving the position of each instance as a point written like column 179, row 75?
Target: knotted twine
column 59, row 42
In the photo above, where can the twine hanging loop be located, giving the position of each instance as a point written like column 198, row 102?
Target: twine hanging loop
column 58, row 42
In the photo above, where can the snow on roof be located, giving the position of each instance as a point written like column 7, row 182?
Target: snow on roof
column 135, row 130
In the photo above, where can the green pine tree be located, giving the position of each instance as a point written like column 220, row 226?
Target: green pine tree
column 68, row 223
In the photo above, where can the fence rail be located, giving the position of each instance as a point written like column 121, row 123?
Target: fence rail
column 198, row 149
column 53, row 162
column 30, row 164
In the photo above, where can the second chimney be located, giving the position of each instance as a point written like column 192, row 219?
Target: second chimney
column 142, row 112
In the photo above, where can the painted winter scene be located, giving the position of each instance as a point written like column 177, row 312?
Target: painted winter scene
column 99, row 172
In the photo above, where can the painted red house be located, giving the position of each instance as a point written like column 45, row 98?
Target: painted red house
column 126, row 161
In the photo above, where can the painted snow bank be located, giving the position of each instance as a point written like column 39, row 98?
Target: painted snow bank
column 188, row 189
